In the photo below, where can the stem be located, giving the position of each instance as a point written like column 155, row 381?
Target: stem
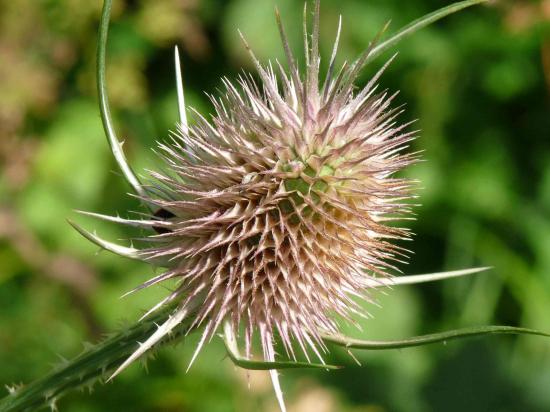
column 91, row 366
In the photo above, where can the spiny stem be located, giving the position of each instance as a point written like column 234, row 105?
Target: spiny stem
column 93, row 365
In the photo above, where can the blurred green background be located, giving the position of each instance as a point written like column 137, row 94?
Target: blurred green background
column 479, row 84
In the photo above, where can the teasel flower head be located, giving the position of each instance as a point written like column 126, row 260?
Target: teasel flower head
column 273, row 215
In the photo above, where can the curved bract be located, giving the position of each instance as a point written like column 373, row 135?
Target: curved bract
column 353, row 343
column 106, row 118
column 418, row 24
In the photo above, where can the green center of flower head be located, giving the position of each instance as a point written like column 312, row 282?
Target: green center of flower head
column 305, row 183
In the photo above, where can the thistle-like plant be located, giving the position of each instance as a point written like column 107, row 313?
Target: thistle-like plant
column 274, row 216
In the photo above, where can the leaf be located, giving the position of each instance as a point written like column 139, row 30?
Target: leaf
column 349, row 342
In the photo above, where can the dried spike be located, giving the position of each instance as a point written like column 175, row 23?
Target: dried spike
column 313, row 67
column 428, row 277
column 160, row 333
column 305, row 34
column 328, row 79
column 286, row 46
column 179, row 88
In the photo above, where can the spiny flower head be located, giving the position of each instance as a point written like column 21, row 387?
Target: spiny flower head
column 272, row 216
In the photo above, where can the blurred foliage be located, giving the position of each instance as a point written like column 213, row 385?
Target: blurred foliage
column 479, row 84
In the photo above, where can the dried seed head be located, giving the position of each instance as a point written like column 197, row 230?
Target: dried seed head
column 273, row 214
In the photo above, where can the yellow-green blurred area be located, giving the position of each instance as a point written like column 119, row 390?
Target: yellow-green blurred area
column 478, row 82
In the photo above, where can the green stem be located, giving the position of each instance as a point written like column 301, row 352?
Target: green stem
column 93, row 365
